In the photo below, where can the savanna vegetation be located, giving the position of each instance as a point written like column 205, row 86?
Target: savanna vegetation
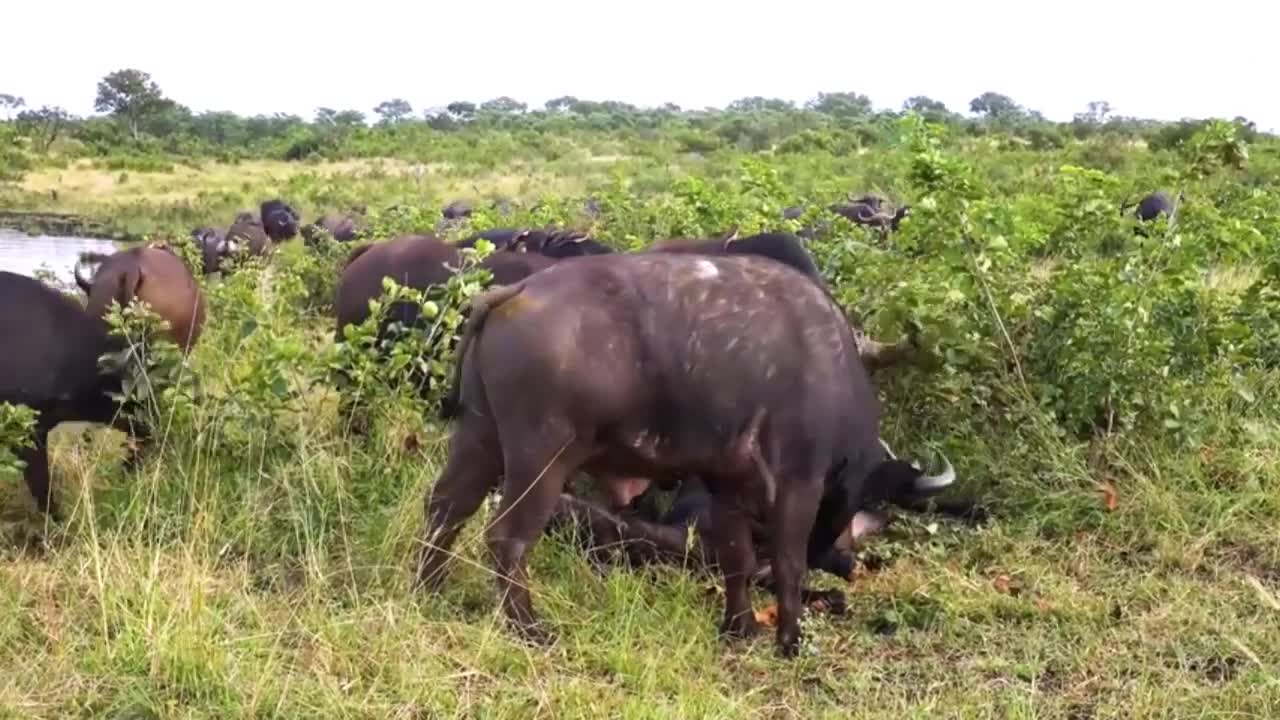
column 1108, row 394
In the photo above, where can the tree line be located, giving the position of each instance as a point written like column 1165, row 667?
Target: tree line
column 138, row 117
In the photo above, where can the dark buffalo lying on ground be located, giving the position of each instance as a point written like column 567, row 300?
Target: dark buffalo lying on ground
column 279, row 220
column 740, row 371
column 343, row 228
column 552, row 243
column 53, row 344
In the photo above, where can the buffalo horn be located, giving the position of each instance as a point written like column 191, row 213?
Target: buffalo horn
column 937, row 483
column 85, row 283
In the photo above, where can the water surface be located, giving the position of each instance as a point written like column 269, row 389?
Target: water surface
column 24, row 254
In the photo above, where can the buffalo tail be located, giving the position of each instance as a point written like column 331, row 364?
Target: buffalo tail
column 451, row 404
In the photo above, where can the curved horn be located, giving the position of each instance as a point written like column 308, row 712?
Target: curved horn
column 729, row 236
column 85, row 283
column 929, row 484
column 520, row 242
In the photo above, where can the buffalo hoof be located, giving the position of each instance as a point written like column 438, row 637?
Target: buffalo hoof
column 788, row 645
column 740, row 627
column 534, row 634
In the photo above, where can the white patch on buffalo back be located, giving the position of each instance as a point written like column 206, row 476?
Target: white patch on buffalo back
column 705, row 269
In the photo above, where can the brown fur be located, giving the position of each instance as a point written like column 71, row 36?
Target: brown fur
column 157, row 277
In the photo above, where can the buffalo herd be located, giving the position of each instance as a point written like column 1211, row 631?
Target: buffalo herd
column 722, row 369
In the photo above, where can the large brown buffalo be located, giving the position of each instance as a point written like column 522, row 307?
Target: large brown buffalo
column 789, row 250
column 53, row 344
column 736, row 369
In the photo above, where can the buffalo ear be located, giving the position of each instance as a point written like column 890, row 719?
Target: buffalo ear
column 129, row 283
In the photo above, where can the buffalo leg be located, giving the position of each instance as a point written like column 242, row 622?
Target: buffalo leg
column 470, row 472
column 737, row 558
column 793, row 519
column 36, row 473
column 530, row 492
column 641, row 542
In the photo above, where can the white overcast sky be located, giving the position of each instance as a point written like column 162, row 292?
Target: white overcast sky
column 1150, row 59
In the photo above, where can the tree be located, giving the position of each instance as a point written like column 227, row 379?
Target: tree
column 561, row 104
column 760, row 104
column 925, row 105
column 994, row 105
column 9, row 103
column 1096, row 114
column 44, row 125
column 461, row 109
column 841, row 104
column 503, row 106
column 394, row 111
column 338, row 118
column 130, row 95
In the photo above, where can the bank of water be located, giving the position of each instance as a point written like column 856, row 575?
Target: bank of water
column 26, row 254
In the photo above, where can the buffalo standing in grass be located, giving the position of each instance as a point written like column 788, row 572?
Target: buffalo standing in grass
column 736, row 369
column 789, row 250
column 342, row 228
column 248, row 233
column 279, row 220
column 53, row 344
column 214, row 247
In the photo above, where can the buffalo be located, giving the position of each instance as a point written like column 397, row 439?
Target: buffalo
column 869, row 211
column 248, row 233
column 214, row 248
column 552, row 243
column 279, row 221
column 739, row 370
column 782, row 247
column 418, row 262
column 55, row 344
column 342, row 228
column 789, row 250
column 1149, row 207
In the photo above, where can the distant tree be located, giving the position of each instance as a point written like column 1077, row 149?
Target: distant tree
column 394, row 111
column 670, row 107
column 43, row 126
column 561, row 104
column 461, row 109
column 1096, row 113
column 131, row 96
column 338, row 118
column 841, row 104
column 925, row 105
column 760, row 104
column 9, row 103
column 503, row 106
column 994, row 106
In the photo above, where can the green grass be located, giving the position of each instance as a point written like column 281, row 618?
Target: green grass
column 258, row 562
